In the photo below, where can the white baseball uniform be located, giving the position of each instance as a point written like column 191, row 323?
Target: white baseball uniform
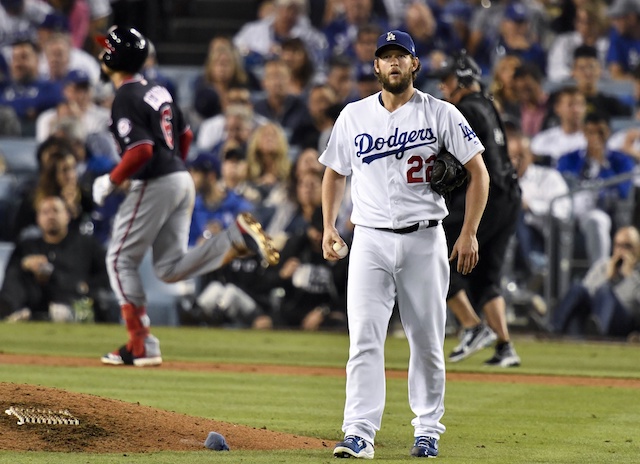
column 389, row 156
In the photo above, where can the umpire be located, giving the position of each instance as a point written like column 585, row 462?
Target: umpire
column 460, row 85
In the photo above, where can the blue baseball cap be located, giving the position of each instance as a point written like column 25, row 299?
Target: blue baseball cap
column 77, row 76
column 205, row 162
column 516, row 12
column 398, row 39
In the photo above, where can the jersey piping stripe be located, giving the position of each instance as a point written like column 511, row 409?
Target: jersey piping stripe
column 124, row 238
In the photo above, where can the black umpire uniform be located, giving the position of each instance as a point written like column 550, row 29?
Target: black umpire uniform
column 499, row 220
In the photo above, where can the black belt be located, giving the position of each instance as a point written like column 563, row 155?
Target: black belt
column 408, row 230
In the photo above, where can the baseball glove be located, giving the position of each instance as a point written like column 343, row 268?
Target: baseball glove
column 448, row 173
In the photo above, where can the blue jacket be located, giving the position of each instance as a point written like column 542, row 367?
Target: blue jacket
column 225, row 213
column 574, row 164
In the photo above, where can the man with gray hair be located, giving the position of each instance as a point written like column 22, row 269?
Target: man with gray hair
column 261, row 39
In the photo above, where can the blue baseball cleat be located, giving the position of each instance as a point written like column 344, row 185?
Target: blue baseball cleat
column 425, row 447
column 353, row 447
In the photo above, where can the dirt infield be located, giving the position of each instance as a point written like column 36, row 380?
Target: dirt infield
column 113, row 426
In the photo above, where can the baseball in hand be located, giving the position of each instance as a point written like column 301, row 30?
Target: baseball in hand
column 340, row 249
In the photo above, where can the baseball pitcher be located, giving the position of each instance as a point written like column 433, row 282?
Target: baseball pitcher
column 388, row 144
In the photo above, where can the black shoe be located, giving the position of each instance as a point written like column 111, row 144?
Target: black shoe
column 505, row 356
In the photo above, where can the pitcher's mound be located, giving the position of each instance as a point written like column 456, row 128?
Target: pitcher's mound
column 113, row 426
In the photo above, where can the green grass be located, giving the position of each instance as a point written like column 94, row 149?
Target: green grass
column 487, row 422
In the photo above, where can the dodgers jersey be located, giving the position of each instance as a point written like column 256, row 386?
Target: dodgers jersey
column 390, row 156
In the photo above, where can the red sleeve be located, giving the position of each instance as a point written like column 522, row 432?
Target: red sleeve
column 132, row 160
column 185, row 142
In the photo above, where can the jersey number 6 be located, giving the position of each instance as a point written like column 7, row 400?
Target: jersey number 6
column 166, row 118
column 420, row 169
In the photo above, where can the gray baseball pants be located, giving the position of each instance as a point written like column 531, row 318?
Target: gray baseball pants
column 156, row 213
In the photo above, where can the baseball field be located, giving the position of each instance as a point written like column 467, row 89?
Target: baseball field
column 277, row 397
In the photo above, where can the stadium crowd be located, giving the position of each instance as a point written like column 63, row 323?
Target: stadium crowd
column 564, row 74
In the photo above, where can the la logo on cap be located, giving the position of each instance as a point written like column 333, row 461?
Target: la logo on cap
column 390, row 36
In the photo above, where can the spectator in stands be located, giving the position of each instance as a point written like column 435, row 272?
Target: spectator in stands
column 213, row 131
column 341, row 78
column 25, row 92
column 321, row 98
column 594, row 209
column 485, row 29
column 235, row 175
column 47, row 275
column 516, row 38
column 9, row 122
column 607, row 301
column 238, row 127
column 293, row 213
column 59, row 56
column 223, row 69
column 624, row 39
column 342, row 32
column 152, row 72
column 19, row 20
column 59, row 177
column 540, row 185
column 237, row 295
column 590, row 29
column 78, row 103
column 216, row 207
column 308, row 162
column 77, row 15
column 364, row 47
column 269, row 164
column 428, row 32
column 587, row 73
column 301, row 68
column 532, row 99
column 550, row 144
column 279, row 105
column 367, row 82
column 314, row 289
column 99, row 22
column 260, row 40
column 501, row 85
column 627, row 140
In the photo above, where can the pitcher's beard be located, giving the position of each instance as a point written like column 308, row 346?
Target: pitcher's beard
column 397, row 87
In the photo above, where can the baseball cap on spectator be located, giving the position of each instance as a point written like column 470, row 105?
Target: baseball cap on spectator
column 234, row 154
column 585, row 51
column 205, row 162
column 516, row 12
column 364, row 73
column 457, row 10
column 55, row 22
column 77, row 77
column 12, row 4
column 623, row 7
column 396, row 38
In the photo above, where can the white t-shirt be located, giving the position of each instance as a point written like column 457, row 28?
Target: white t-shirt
column 554, row 143
column 540, row 185
column 389, row 156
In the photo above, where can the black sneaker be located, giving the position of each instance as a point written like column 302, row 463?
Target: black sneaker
column 505, row 356
column 473, row 340
column 256, row 239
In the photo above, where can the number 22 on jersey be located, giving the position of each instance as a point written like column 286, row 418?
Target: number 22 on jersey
column 419, row 169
